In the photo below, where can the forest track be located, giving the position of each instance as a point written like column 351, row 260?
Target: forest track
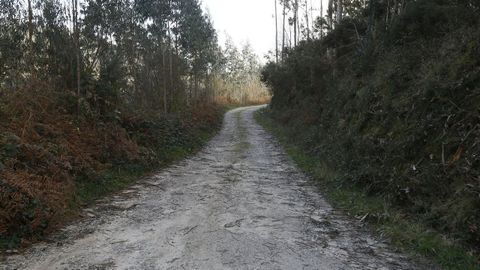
column 240, row 203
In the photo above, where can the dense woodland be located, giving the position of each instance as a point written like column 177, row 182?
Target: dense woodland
column 387, row 94
column 146, row 54
column 96, row 92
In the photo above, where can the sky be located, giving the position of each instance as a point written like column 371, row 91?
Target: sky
column 248, row 20
column 244, row 20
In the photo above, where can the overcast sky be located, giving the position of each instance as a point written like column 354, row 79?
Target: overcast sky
column 248, row 20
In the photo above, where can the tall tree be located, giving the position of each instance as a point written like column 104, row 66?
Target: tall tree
column 76, row 38
column 339, row 15
column 295, row 22
column 30, row 22
column 284, row 14
column 330, row 14
column 144, row 53
column 321, row 18
column 276, row 32
column 307, row 19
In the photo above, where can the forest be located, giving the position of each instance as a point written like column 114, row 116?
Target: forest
column 95, row 93
column 382, row 97
column 136, row 107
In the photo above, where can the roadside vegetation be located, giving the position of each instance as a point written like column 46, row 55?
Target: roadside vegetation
column 405, row 232
column 94, row 94
column 238, row 82
column 381, row 106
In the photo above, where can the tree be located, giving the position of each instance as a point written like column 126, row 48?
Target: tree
column 30, row 22
column 145, row 54
column 330, row 14
column 295, row 22
column 339, row 15
column 307, row 19
column 276, row 32
column 76, row 33
column 239, row 71
column 284, row 14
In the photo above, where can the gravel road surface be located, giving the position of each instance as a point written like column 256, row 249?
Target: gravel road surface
column 240, row 203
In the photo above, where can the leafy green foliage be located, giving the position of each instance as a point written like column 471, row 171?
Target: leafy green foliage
column 404, row 231
column 393, row 108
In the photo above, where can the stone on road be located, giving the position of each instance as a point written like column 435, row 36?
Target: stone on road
column 240, row 203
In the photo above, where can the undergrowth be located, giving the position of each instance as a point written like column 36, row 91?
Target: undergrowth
column 55, row 160
column 394, row 111
column 404, row 231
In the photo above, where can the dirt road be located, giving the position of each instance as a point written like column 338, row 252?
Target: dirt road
column 238, row 204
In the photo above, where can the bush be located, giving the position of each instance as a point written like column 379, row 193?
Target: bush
column 401, row 120
column 51, row 156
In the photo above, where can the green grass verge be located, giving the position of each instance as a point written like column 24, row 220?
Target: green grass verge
column 242, row 144
column 405, row 232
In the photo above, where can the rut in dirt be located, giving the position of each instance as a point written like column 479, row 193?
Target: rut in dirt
column 240, row 203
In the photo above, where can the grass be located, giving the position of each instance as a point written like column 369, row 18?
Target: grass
column 405, row 233
column 242, row 143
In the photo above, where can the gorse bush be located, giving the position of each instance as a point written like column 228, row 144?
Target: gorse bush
column 394, row 107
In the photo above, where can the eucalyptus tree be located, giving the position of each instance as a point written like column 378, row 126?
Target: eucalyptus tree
column 53, row 45
column 140, row 53
column 197, row 42
column 284, row 15
column 276, row 31
column 295, row 22
column 12, row 50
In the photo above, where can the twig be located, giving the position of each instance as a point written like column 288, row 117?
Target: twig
column 443, row 154
column 191, row 229
column 25, row 125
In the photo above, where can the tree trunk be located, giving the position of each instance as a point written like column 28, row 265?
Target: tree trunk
column 290, row 36
column 172, row 81
column 312, row 20
column 295, row 21
column 307, row 19
column 283, row 27
column 77, row 46
column 170, row 60
column 164, row 79
column 395, row 7
column 30, row 22
column 276, row 32
column 321, row 17
column 330, row 14
column 339, row 15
